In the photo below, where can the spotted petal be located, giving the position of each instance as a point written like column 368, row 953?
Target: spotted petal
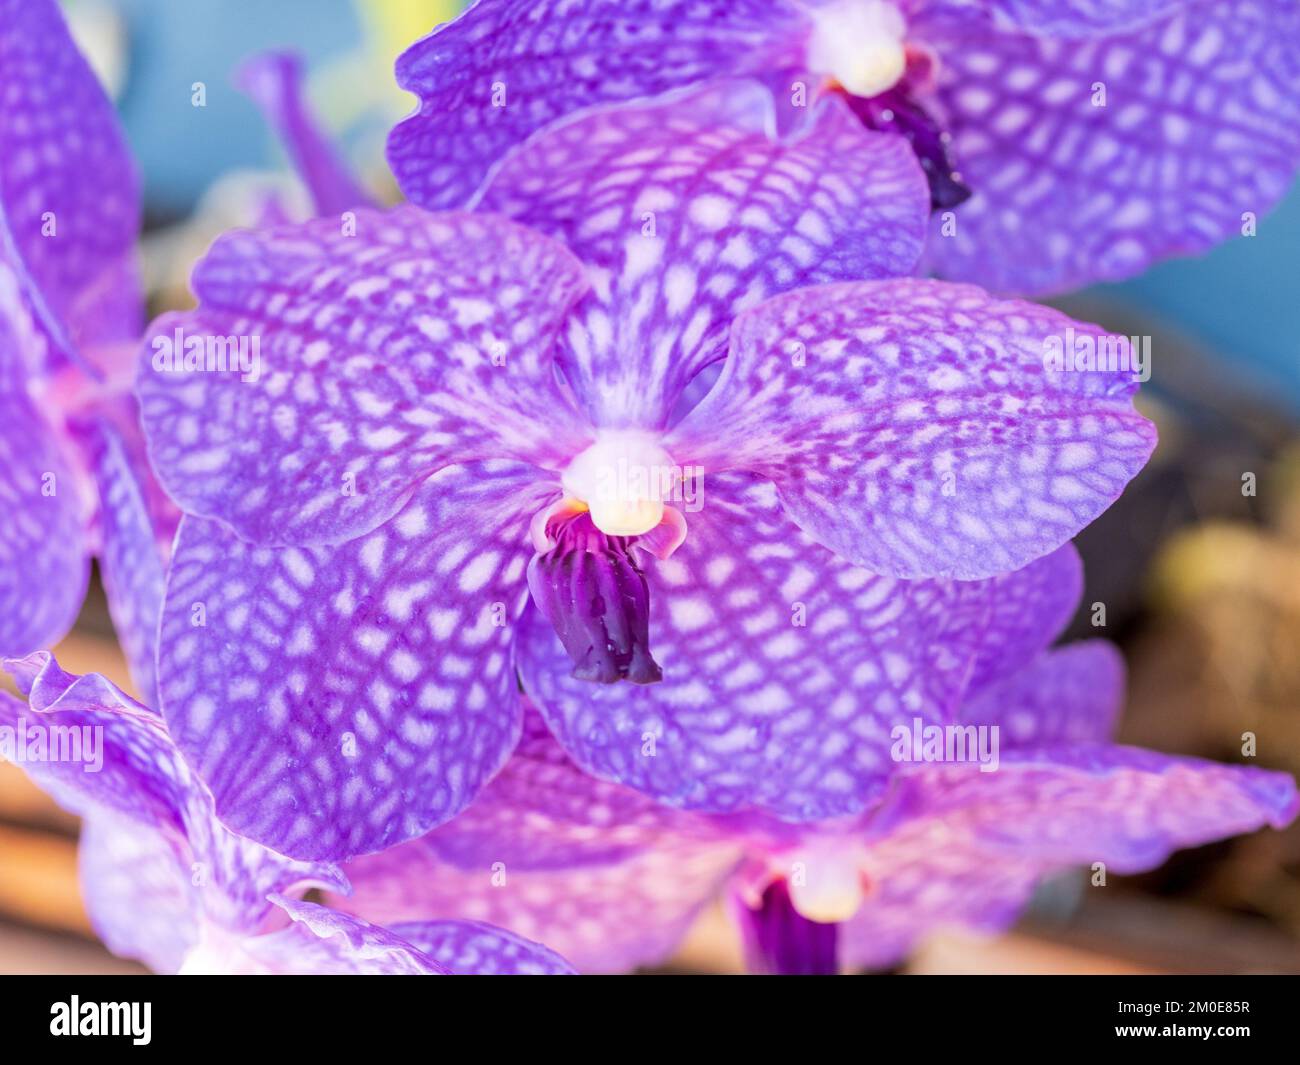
column 785, row 668
column 1092, row 158
column 385, row 355
column 915, row 428
column 974, row 844
column 43, row 560
column 686, row 211
column 339, row 700
column 506, row 68
column 60, row 233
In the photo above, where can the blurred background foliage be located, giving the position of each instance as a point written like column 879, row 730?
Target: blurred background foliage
column 1199, row 575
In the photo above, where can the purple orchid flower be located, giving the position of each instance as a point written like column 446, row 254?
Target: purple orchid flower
column 1077, row 140
column 614, row 880
column 454, row 408
column 166, row 883
column 76, row 479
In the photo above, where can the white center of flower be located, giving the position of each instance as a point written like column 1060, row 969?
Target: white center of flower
column 859, row 43
column 828, row 885
column 624, row 478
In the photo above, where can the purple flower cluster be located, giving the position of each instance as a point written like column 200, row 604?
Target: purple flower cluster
column 629, row 517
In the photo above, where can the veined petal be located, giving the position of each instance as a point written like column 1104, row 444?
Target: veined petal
column 973, row 845
column 377, row 359
column 915, row 427
column 340, row 700
column 506, row 68
column 43, row 555
column 1071, row 695
column 60, row 233
column 273, row 80
column 1089, row 159
column 472, row 948
column 686, row 211
column 785, row 669
column 560, row 856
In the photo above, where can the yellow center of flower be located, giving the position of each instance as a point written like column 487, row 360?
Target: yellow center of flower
column 859, row 43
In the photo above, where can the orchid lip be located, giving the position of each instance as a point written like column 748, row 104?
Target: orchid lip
column 590, row 586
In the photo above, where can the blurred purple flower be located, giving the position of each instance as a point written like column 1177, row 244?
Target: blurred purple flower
column 166, row 883
column 1093, row 137
column 614, row 880
column 76, row 479
column 346, row 611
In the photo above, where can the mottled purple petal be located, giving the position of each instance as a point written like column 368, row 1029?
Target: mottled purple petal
column 137, row 891
column 1201, row 124
column 130, row 769
column 974, row 844
column 785, row 668
column 130, row 559
column 43, row 557
column 420, row 341
column 686, row 211
column 140, row 776
column 1031, row 608
column 912, row 427
column 69, row 193
column 339, row 700
column 1071, row 695
column 606, row 876
column 471, row 948
column 506, row 68
column 274, row 82
column 610, row 916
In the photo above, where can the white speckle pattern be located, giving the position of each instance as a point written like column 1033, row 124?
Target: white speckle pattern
column 687, row 212
column 409, row 659
column 871, row 462
column 377, row 405
column 741, row 718
column 1201, row 122
column 506, row 68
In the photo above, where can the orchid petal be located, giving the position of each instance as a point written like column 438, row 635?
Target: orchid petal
column 420, row 341
column 916, row 428
column 686, row 211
